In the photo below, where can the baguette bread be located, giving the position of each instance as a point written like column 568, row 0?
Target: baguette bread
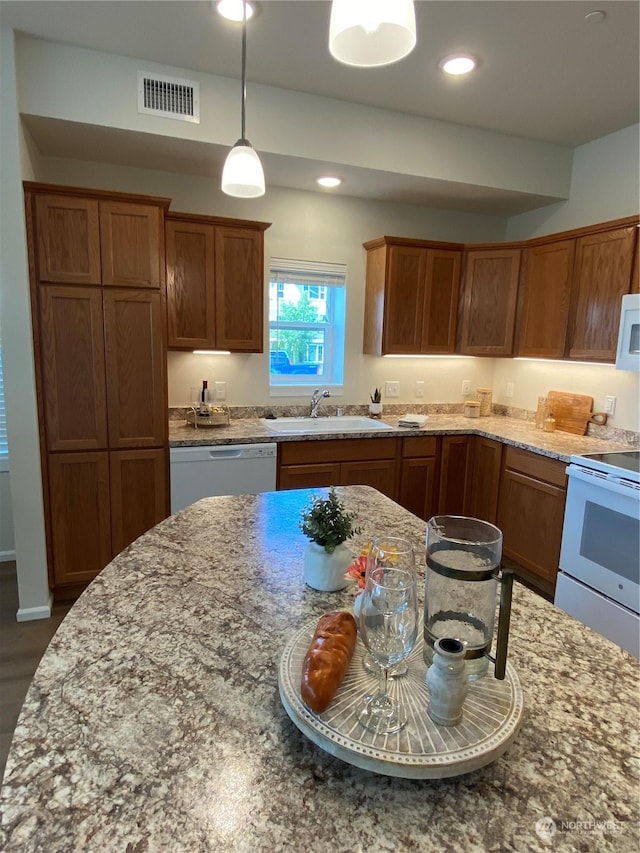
column 327, row 659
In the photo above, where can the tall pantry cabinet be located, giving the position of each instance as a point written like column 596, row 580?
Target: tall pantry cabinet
column 99, row 330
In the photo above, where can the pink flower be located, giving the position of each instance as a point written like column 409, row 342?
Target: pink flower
column 357, row 570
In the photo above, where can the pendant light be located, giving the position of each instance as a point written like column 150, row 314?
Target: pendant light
column 242, row 175
column 368, row 33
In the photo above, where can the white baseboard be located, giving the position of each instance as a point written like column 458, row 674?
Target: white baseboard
column 7, row 556
column 29, row 614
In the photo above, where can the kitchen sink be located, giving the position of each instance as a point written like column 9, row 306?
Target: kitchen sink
column 304, row 426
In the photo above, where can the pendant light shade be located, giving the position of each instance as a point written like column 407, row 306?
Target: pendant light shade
column 368, row 33
column 242, row 175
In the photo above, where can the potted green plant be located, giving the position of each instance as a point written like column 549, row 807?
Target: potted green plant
column 375, row 406
column 328, row 525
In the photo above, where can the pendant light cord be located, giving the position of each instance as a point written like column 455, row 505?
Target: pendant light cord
column 244, row 63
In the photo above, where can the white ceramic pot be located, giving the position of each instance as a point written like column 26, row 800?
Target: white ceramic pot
column 375, row 409
column 325, row 572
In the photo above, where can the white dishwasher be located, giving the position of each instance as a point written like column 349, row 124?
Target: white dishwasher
column 223, row 469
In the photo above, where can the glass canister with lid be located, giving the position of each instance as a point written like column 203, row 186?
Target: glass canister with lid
column 485, row 398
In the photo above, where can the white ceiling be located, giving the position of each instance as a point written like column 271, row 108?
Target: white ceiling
column 545, row 73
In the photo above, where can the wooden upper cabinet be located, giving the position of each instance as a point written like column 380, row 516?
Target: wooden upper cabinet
column 489, row 301
column 135, row 367
column 131, row 244
column 635, row 275
column 239, row 289
column 411, row 300
column 68, row 239
column 404, row 299
column 602, row 275
column 190, row 284
column 548, row 271
column 441, row 301
column 73, row 367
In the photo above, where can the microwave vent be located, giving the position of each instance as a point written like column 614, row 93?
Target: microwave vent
column 170, row 97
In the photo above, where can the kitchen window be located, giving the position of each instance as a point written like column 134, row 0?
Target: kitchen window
column 306, row 325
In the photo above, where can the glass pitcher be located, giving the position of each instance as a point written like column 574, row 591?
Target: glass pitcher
column 461, row 580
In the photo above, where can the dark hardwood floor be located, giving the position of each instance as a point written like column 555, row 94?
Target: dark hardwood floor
column 22, row 644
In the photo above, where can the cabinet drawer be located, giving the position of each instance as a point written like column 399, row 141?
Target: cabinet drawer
column 542, row 467
column 423, row 445
column 337, row 450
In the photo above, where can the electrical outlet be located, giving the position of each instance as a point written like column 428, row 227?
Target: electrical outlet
column 509, row 389
column 391, row 389
column 419, row 388
column 610, row 405
column 466, row 386
column 221, row 390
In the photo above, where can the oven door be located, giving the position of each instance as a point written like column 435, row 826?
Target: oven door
column 601, row 535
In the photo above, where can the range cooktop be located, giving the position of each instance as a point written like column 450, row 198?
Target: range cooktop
column 622, row 463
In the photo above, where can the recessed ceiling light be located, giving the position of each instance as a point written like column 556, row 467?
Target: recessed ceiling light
column 457, row 64
column 329, row 181
column 232, row 10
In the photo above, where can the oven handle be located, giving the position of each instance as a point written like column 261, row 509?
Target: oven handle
column 622, row 487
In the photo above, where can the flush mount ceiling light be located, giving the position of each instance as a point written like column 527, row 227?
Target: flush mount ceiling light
column 242, row 176
column 328, row 181
column 457, row 64
column 233, row 10
column 368, row 33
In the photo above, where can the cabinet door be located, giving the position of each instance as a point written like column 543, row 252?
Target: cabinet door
column 136, row 368
column 68, row 239
column 131, row 244
column 190, row 285
column 73, row 368
column 418, row 486
column 531, row 515
column 485, row 483
column 404, row 300
column 379, row 473
column 602, row 275
column 455, row 474
column 312, row 476
column 441, row 301
column 239, row 289
column 79, row 506
column 489, row 304
column 139, row 494
column 547, row 299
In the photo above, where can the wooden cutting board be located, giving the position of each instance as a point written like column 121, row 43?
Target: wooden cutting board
column 573, row 411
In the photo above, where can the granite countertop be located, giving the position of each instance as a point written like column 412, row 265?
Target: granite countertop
column 513, row 431
column 154, row 722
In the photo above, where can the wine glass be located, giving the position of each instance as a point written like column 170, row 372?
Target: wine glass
column 389, row 627
column 396, row 551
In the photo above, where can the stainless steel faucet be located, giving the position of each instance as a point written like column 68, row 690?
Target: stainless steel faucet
column 316, row 398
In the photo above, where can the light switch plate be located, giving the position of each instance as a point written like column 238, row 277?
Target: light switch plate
column 392, row 389
column 420, row 388
column 610, row 405
column 466, row 386
column 509, row 389
column 221, row 390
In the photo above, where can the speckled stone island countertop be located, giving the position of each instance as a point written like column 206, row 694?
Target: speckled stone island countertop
column 514, row 431
column 154, row 722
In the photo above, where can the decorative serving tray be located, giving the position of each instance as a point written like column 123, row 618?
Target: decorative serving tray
column 217, row 417
column 422, row 750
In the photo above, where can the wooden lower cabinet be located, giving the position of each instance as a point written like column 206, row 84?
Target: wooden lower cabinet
column 531, row 515
column 418, row 475
column 456, row 472
column 485, row 482
column 80, row 515
column 138, row 480
column 339, row 462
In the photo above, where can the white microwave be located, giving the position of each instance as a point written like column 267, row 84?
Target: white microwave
column 628, row 355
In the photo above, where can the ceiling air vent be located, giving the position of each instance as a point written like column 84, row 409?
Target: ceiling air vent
column 168, row 96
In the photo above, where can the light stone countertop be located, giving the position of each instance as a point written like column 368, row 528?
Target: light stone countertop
column 513, row 431
column 154, row 723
